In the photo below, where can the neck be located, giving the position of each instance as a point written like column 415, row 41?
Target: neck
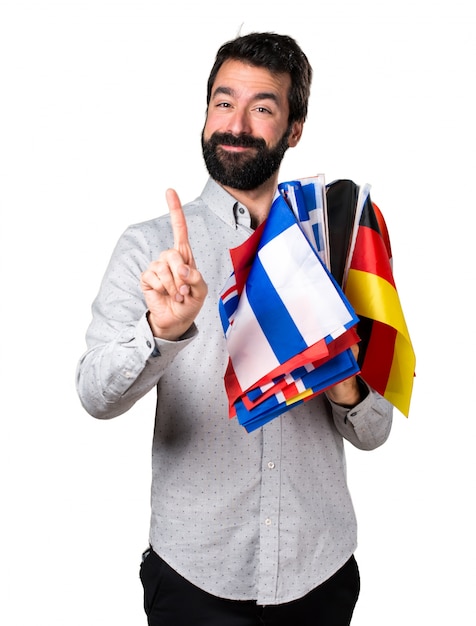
column 258, row 201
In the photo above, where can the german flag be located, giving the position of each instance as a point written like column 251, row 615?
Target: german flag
column 386, row 357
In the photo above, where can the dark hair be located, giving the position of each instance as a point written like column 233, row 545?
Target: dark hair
column 279, row 54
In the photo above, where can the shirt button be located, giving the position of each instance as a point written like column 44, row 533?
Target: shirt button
column 267, row 521
column 241, row 210
column 149, row 345
column 271, row 465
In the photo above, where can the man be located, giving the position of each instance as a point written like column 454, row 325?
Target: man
column 246, row 528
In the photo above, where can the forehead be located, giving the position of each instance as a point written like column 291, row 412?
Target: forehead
column 245, row 80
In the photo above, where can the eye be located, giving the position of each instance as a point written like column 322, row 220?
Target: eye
column 262, row 109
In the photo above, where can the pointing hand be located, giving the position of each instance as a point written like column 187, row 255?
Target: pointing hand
column 173, row 288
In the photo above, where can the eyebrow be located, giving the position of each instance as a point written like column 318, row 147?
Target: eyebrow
column 262, row 95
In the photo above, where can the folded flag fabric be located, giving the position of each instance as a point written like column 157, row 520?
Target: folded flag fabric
column 386, row 355
column 260, row 404
column 307, row 199
column 287, row 323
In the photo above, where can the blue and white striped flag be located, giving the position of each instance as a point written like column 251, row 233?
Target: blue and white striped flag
column 307, row 199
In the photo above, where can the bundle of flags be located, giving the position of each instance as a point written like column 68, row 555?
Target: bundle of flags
column 288, row 320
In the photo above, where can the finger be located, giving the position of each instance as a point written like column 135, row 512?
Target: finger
column 179, row 224
column 160, row 276
column 150, row 281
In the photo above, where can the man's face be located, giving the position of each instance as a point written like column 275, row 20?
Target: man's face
column 246, row 133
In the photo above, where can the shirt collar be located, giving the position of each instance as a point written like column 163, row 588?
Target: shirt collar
column 225, row 205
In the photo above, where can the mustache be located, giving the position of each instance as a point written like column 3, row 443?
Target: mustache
column 239, row 141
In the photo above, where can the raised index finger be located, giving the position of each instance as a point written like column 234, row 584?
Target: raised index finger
column 177, row 219
column 179, row 227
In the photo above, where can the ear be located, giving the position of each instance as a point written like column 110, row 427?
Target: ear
column 295, row 134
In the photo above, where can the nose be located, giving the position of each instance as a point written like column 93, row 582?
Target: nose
column 238, row 123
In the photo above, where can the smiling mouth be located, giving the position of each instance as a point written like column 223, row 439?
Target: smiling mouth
column 234, row 148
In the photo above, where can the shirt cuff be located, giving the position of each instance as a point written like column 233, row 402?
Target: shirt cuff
column 161, row 347
column 352, row 414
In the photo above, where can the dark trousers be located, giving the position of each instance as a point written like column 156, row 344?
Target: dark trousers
column 170, row 600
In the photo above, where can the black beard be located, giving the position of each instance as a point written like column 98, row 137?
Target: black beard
column 239, row 170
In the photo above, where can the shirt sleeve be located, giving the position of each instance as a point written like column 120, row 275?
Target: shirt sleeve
column 123, row 361
column 367, row 425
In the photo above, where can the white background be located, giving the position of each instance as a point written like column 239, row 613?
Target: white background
column 101, row 109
